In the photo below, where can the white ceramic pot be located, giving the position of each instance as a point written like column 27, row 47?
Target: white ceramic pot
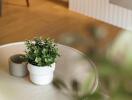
column 42, row 75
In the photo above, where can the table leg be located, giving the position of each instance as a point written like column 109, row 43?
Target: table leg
column 27, row 1
column 0, row 7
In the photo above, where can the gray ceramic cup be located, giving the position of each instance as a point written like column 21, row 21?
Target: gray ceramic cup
column 18, row 65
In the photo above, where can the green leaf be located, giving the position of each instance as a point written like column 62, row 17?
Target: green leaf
column 41, row 52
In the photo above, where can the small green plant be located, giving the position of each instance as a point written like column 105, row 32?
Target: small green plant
column 41, row 52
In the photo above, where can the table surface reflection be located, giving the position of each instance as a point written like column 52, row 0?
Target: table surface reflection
column 71, row 65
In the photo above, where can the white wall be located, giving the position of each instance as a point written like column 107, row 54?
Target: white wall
column 104, row 11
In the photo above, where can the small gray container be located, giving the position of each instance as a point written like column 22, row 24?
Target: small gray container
column 18, row 65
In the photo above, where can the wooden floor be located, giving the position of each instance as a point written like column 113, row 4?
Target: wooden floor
column 44, row 18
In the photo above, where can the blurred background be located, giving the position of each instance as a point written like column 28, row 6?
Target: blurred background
column 108, row 46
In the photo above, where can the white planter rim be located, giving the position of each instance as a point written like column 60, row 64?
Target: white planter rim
column 42, row 67
column 41, row 70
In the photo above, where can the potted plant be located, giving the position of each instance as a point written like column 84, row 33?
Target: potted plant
column 41, row 55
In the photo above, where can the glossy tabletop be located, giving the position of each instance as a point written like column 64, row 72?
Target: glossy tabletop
column 71, row 65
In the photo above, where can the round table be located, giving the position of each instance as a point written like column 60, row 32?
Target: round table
column 71, row 65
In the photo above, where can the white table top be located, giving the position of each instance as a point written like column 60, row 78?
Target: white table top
column 71, row 65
